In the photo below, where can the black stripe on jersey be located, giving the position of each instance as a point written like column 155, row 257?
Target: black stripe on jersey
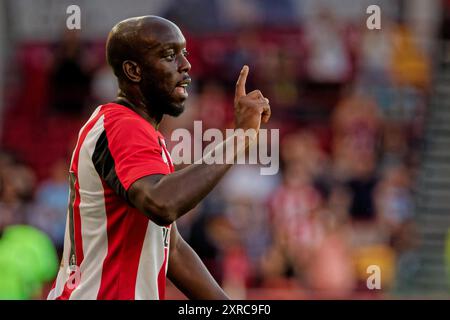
column 73, row 257
column 105, row 166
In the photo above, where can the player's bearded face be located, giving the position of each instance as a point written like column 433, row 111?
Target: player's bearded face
column 160, row 88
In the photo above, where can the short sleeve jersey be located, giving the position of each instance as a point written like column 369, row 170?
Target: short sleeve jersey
column 111, row 250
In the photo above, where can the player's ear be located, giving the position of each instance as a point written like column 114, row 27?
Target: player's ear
column 131, row 70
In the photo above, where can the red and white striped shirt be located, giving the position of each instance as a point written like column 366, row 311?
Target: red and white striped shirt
column 111, row 250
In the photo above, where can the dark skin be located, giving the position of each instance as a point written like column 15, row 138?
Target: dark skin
column 148, row 55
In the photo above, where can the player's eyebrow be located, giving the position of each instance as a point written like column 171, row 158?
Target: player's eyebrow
column 159, row 48
column 173, row 45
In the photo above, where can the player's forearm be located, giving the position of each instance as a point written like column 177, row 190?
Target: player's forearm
column 171, row 196
column 183, row 190
column 190, row 276
column 166, row 198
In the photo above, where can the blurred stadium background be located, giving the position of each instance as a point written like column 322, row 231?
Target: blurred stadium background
column 364, row 121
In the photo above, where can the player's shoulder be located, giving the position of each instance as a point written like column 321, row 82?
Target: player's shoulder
column 119, row 118
column 118, row 113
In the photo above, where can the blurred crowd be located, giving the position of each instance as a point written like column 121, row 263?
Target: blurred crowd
column 349, row 103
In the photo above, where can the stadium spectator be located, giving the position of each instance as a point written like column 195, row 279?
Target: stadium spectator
column 344, row 196
column 70, row 79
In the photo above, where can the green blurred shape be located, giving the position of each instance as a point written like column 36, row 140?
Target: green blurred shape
column 27, row 253
column 12, row 285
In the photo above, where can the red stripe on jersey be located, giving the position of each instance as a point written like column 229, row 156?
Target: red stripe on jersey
column 135, row 225
column 76, row 206
column 121, row 264
column 77, row 222
column 162, row 271
column 162, row 277
column 111, row 268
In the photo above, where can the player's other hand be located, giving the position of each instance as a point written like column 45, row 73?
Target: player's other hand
column 249, row 109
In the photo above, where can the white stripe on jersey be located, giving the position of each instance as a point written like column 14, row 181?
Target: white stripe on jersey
column 64, row 272
column 147, row 287
column 93, row 218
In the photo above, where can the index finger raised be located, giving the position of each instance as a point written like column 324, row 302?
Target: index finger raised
column 240, row 84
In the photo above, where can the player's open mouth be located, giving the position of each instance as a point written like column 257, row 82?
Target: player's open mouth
column 181, row 88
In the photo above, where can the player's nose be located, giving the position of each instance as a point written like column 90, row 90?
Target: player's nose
column 184, row 65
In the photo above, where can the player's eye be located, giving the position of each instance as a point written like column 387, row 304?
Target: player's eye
column 170, row 57
column 185, row 53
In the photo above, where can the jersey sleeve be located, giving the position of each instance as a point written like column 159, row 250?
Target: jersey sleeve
column 127, row 150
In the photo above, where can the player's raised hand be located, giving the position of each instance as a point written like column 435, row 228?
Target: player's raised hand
column 250, row 109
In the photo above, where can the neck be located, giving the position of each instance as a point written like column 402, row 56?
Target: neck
column 137, row 102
